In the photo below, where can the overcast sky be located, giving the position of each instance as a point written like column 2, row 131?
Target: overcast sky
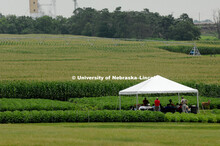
column 164, row 7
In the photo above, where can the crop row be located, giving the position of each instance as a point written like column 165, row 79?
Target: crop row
column 77, row 89
column 35, row 104
column 60, row 90
column 94, row 103
column 80, row 116
column 216, row 111
column 204, row 50
column 112, row 102
column 184, row 117
column 102, row 116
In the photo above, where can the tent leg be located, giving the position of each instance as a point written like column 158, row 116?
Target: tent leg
column 137, row 102
column 179, row 97
column 198, row 101
column 119, row 102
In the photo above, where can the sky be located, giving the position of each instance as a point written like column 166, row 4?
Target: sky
column 194, row 8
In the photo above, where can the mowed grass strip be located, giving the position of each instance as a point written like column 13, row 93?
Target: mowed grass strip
column 59, row 57
column 110, row 134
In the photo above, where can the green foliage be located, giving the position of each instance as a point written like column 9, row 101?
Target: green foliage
column 65, row 90
column 184, row 30
column 80, row 116
column 208, row 38
column 94, row 103
column 117, row 24
column 218, row 118
column 61, row 90
column 112, row 103
column 189, row 117
column 102, row 116
column 204, row 50
column 65, row 56
column 209, row 90
column 216, row 111
column 35, row 104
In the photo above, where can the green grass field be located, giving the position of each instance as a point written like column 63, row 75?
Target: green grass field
column 208, row 37
column 110, row 134
column 59, row 57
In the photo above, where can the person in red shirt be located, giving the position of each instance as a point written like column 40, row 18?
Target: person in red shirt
column 157, row 104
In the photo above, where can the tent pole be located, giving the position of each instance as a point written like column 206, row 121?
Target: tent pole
column 137, row 102
column 198, row 101
column 119, row 102
column 179, row 97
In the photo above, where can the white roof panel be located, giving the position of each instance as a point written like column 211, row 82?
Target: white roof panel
column 157, row 84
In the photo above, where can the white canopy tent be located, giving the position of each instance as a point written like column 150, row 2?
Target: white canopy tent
column 155, row 85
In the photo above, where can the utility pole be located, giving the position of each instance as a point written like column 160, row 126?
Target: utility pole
column 75, row 4
column 54, row 8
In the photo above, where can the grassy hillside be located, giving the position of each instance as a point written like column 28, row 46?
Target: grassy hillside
column 58, row 58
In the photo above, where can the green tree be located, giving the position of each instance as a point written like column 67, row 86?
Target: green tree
column 185, row 17
column 164, row 25
column 87, row 30
column 61, row 25
column 104, row 24
column 184, row 30
column 11, row 24
column 44, row 25
column 78, row 21
column 25, row 25
column 3, row 24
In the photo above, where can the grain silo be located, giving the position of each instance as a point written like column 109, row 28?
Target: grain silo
column 34, row 10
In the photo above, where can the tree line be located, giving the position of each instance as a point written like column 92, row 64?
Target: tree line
column 116, row 24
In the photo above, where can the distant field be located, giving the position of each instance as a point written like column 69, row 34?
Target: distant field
column 110, row 134
column 58, row 58
column 208, row 37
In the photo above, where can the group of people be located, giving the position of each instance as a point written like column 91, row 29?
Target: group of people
column 182, row 107
column 156, row 105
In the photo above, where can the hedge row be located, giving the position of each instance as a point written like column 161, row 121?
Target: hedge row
column 185, row 117
column 11, row 104
column 94, row 103
column 80, row 116
column 112, row 102
column 102, row 116
column 216, row 111
column 186, row 49
column 65, row 90
column 61, row 90
column 205, row 90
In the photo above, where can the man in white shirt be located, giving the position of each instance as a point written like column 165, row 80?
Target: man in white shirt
column 183, row 101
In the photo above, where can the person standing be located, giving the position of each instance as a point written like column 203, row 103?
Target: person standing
column 183, row 102
column 145, row 102
column 157, row 104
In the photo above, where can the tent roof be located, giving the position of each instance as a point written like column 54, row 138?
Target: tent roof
column 157, row 84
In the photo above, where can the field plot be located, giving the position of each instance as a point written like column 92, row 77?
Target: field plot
column 58, row 58
column 93, row 103
column 34, row 104
column 110, row 134
column 112, row 102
